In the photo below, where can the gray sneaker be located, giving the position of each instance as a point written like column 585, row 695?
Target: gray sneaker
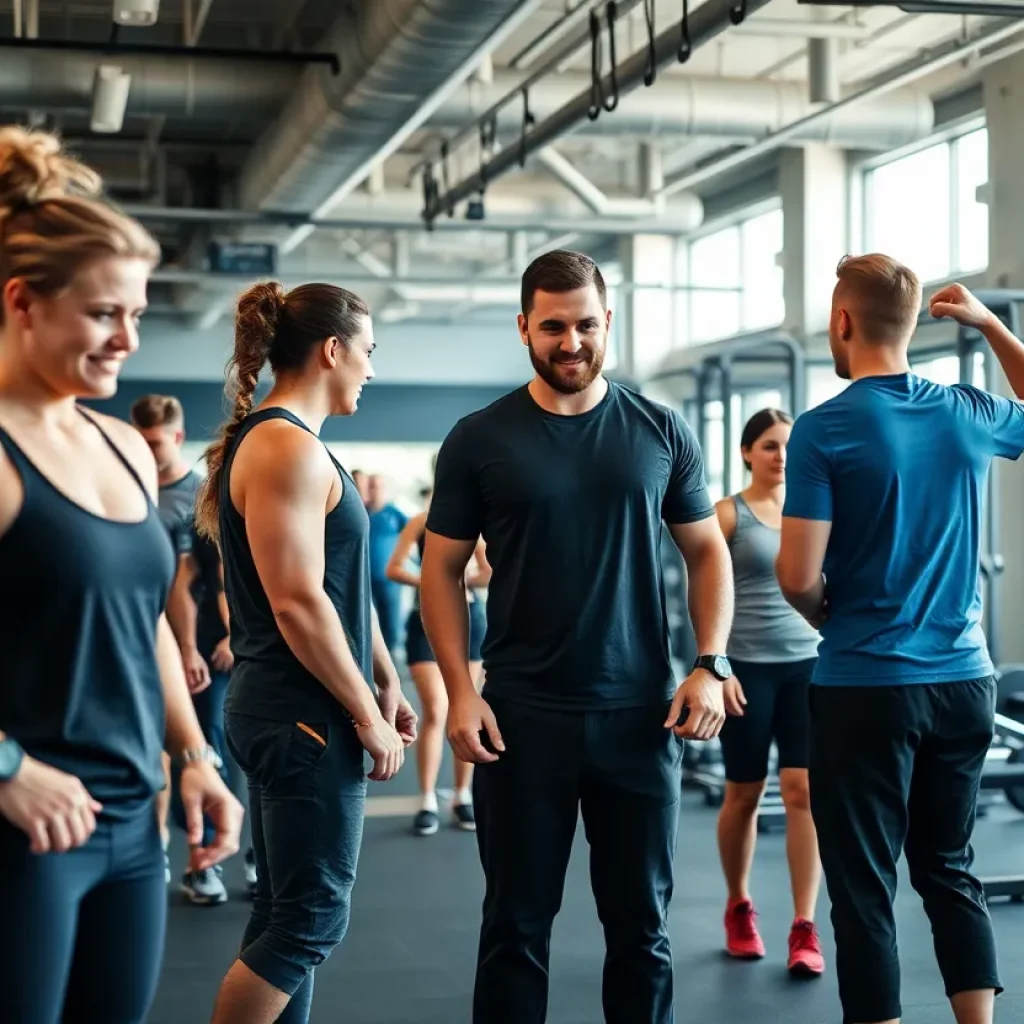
column 204, row 888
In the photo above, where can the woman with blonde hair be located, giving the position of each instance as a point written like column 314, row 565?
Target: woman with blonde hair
column 93, row 684
column 313, row 686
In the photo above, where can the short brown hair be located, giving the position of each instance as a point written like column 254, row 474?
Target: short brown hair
column 157, row 411
column 52, row 217
column 887, row 295
column 560, row 271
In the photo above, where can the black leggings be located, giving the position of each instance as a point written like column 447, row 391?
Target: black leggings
column 83, row 931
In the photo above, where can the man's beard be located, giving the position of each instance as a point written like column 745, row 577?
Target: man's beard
column 586, row 370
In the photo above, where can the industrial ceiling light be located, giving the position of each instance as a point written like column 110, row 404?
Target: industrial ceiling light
column 136, row 13
column 109, row 99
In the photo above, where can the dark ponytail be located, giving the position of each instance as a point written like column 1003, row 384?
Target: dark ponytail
column 280, row 329
column 259, row 311
column 757, row 425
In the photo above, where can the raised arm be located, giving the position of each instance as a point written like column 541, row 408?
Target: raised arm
column 407, row 540
column 957, row 302
column 287, row 481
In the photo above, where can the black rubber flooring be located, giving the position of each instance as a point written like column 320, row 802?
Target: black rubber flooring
column 410, row 951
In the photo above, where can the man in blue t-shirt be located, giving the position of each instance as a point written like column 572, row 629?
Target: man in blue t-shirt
column 386, row 522
column 569, row 480
column 880, row 547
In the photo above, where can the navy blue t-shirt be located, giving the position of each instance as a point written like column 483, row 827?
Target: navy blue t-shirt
column 898, row 465
column 385, row 526
column 571, row 509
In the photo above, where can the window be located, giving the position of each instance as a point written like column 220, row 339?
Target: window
column 736, row 282
column 922, row 209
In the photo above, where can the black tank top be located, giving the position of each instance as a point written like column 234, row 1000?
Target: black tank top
column 80, row 598
column 268, row 680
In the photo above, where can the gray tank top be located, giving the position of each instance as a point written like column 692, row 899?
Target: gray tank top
column 765, row 628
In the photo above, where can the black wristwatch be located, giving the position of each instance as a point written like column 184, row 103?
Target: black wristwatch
column 717, row 664
column 11, row 756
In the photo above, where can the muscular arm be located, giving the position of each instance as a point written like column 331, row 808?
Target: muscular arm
column 287, row 482
column 222, row 600
column 710, row 589
column 445, row 615
column 396, row 568
column 799, row 565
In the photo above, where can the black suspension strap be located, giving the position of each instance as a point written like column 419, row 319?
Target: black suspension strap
column 488, row 134
column 610, row 103
column 652, row 58
column 596, row 97
column 430, row 196
column 446, row 180
column 528, row 122
column 738, row 12
column 685, row 45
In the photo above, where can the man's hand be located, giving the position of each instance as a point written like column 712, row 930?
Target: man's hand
column 52, row 808
column 701, row 695
column 735, row 698
column 222, row 659
column 467, row 719
column 203, row 793
column 197, row 672
column 957, row 302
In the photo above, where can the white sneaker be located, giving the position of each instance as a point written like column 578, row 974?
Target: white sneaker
column 204, row 888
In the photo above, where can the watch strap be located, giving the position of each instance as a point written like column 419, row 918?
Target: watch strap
column 196, row 755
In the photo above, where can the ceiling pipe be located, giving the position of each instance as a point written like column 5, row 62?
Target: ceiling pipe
column 200, row 21
column 18, row 18
column 677, row 219
column 823, row 71
column 948, row 54
column 707, row 22
column 587, row 192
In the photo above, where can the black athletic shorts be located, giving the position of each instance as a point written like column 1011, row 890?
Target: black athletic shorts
column 778, row 708
column 417, row 646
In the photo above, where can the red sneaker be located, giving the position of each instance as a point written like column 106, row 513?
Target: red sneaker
column 741, row 937
column 805, row 957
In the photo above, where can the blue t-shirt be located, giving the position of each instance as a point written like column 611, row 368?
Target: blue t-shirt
column 385, row 526
column 898, row 465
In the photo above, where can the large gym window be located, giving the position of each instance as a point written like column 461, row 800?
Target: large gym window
column 743, row 257
column 923, row 208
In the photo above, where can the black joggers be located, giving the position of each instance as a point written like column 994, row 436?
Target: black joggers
column 623, row 769
column 897, row 767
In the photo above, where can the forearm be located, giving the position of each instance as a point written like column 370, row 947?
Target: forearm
column 225, row 615
column 311, row 628
column 710, row 598
column 445, row 614
column 183, row 731
column 399, row 574
column 384, row 672
column 809, row 603
column 1009, row 350
column 181, row 614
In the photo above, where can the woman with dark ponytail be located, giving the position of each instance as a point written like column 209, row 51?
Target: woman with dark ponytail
column 93, row 686
column 313, row 686
column 772, row 651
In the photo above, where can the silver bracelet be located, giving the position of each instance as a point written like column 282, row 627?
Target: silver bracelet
column 197, row 755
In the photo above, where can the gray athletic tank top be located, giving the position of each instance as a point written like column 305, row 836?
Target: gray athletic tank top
column 765, row 628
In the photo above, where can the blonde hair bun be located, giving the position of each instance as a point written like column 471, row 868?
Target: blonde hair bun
column 35, row 168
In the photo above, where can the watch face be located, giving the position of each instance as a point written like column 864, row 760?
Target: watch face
column 722, row 667
column 10, row 759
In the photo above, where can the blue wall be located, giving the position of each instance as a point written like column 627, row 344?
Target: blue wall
column 387, row 412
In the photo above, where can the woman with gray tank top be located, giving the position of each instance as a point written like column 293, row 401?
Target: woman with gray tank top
column 772, row 651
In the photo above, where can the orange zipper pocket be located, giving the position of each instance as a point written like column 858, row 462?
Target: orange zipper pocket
column 312, row 732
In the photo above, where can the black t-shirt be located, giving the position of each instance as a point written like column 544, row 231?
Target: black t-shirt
column 206, row 591
column 571, row 509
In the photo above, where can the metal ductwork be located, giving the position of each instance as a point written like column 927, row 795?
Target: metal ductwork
column 208, row 90
column 735, row 109
column 399, row 60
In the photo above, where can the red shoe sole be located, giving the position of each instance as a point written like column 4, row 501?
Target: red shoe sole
column 801, row 970
column 744, row 956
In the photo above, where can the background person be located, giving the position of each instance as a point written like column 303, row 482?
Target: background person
column 427, row 677
column 772, row 651
column 386, row 523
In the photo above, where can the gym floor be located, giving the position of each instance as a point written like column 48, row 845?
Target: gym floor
column 410, row 950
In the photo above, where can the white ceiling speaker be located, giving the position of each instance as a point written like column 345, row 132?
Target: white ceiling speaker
column 136, row 13
column 109, row 99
